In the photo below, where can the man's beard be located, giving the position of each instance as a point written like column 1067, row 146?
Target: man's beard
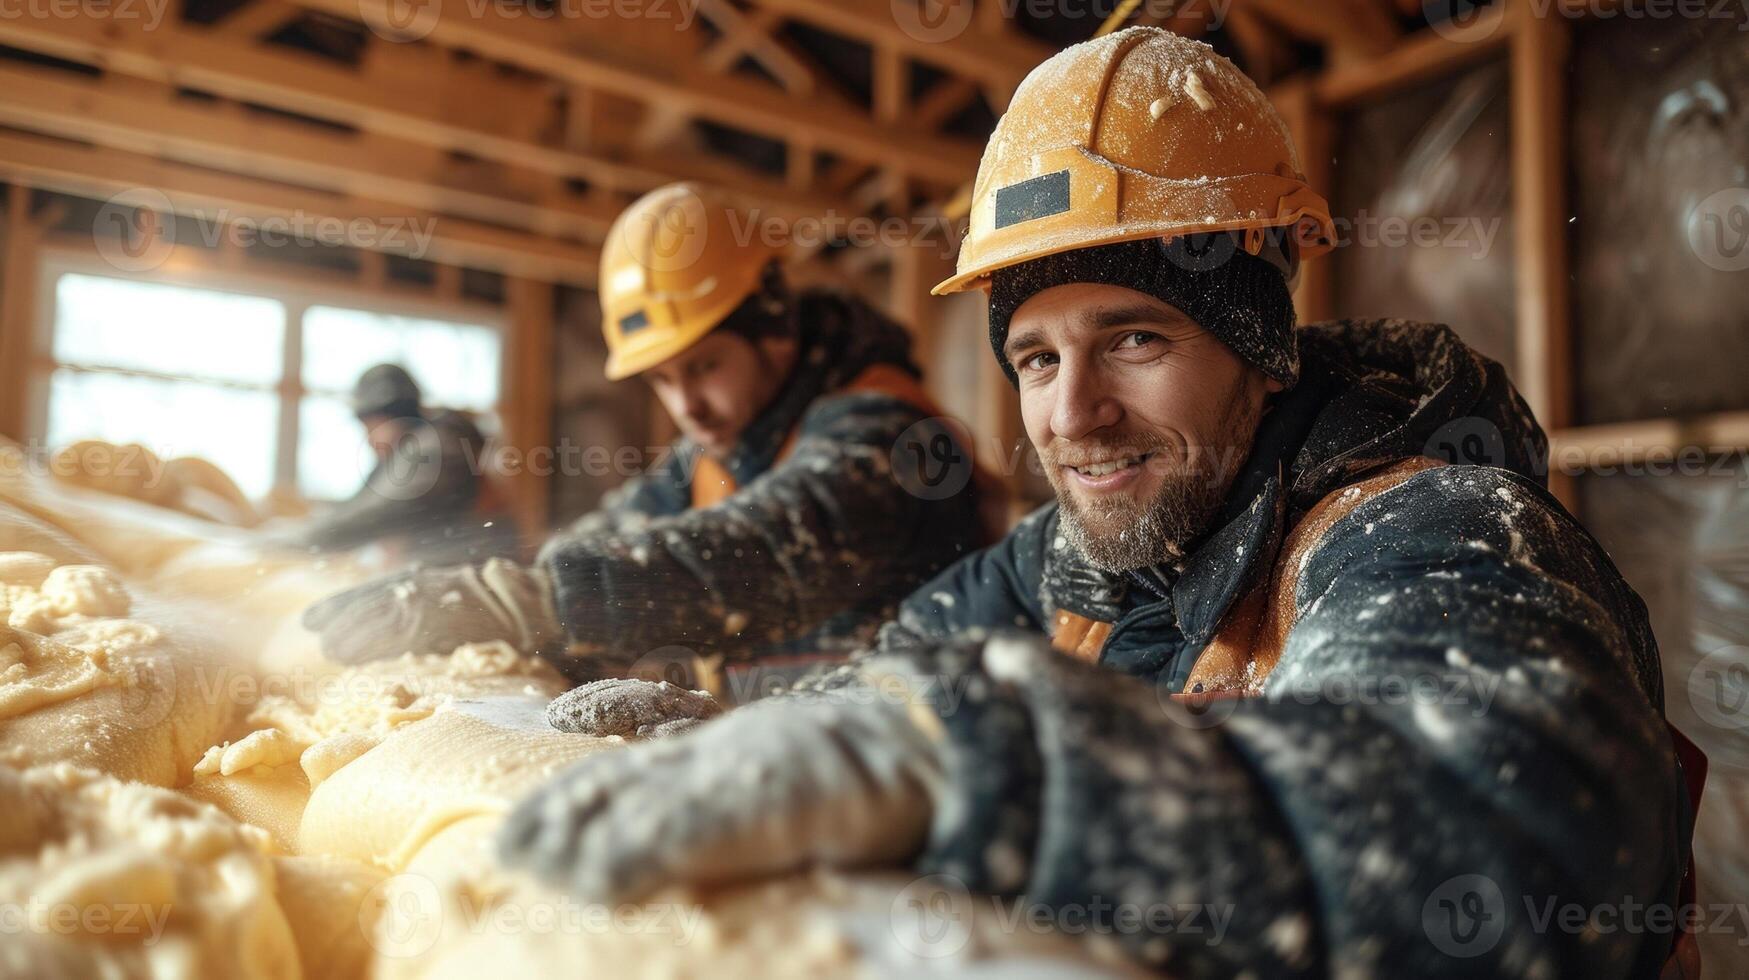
column 1120, row 532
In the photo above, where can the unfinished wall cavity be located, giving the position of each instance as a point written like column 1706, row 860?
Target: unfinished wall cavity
column 1660, row 151
column 1682, row 541
column 1423, row 201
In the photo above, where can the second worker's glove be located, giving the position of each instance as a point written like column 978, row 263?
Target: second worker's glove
column 435, row 610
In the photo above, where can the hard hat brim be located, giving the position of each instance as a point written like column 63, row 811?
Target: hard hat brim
column 630, row 358
column 1242, row 203
column 979, row 277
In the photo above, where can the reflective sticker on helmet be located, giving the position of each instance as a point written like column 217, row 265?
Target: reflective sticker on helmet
column 633, row 322
column 1035, row 197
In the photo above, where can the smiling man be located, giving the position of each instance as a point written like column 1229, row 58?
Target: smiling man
column 1303, row 659
column 1139, row 415
column 787, row 519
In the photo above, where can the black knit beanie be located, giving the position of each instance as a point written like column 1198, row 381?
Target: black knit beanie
column 1242, row 299
column 769, row 312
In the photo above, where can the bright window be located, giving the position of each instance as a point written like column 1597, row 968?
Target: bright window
column 456, row 365
column 180, row 371
column 194, row 371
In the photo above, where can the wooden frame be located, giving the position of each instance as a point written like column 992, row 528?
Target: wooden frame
column 101, row 173
column 1537, row 50
column 525, row 402
column 18, row 283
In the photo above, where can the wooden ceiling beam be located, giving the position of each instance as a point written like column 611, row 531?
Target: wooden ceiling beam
column 1000, row 56
column 1375, row 25
column 799, row 163
column 258, row 19
column 1352, row 30
column 1424, row 55
column 991, row 16
column 739, row 32
column 844, row 175
column 366, row 165
column 663, row 129
column 883, row 187
column 891, row 80
column 194, row 192
column 749, row 36
column 736, row 102
column 1263, row 49
column 1190, row 18
column 867, row 185
column 577, row 130
column 942, row 102
column 753, row 35
column 295, row 82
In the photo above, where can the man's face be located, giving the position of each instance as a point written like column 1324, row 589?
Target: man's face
column 716, row 388
column 1141, row 417
column 382, row 432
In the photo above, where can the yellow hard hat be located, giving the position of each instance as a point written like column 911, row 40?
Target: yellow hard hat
column 675, row 264
column 1137, row 134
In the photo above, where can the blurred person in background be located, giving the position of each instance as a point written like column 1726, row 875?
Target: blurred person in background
column 427, row 497
column 813, row 485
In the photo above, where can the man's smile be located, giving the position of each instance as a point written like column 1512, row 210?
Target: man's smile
column 1110, row 474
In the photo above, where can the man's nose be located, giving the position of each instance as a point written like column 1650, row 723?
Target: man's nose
column 693, row 404
column 1084, row 403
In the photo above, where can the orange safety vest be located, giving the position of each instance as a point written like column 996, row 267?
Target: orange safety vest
column 1250, row 640
column 712, row 483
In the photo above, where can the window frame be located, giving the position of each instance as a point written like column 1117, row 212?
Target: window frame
column 296, row 290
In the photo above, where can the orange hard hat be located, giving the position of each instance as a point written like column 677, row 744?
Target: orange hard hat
column 675, row 263
column 1137, row 134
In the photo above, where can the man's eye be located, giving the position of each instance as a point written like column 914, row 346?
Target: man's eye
column 1039, row 361
column 1138, row 338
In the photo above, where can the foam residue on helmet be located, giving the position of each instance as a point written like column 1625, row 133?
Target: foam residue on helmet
column 1189, row 76
column 1137, row 134
column 1193, row 87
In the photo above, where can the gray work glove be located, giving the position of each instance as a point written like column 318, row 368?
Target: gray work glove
column 769, row 788
column 631, row 709
column 435, row 610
